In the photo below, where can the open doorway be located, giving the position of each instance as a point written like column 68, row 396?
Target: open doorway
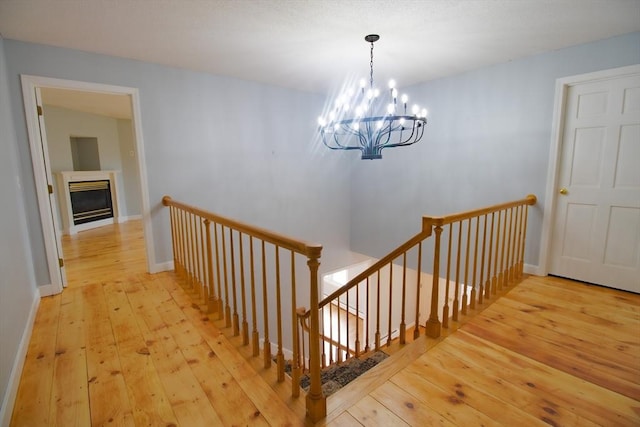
column 58, row 113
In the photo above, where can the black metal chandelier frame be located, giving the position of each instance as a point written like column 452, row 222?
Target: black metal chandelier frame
column 372, row 134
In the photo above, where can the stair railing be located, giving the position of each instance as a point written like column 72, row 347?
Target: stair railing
column 222, row 260
column 484, row 253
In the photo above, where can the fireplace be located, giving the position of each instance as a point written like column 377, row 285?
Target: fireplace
column 90, row 201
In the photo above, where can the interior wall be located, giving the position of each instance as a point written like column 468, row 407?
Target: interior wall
column 17, row 280
column 238, row 148
column 487, row 141
column 130, row 175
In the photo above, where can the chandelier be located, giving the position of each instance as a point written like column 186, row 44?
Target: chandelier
column 363, row 119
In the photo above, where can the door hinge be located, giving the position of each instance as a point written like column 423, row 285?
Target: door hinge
column 39, row 108
column 60, row 262
column 50, row 188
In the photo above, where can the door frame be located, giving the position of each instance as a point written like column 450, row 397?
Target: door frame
column 557, row 131
column 39, row 149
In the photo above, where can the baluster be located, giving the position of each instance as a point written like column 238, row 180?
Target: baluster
column 357, row 342
column 203, row 271
column 295, row 361
column 348, row 337
column 173, row 237
column 227, row 308
column 516, row 246
column 484, row 245
column 212, row 302
column 366, row 324
column 185, row 239
column 403, row 326
column 465, row 297
column 377, row 335
column 433, row 326
column 330, row 333
column 193, row 281
column 234, row 286
column 487, row 288
column 243, row 293
column 475, row 263
column 183, row 225
column 390, row 302
column 279, row 354
column 501, row 277
column 254, row 317
column 514, row 250
column 323, row 334
column 496, row 269
column 339, row 324
column 456, row 299
column 266, row 350
column 176, row 219
column 445, row 309
column 416, row 329
column 524, row 236
column 218, row 277
column 506, row 277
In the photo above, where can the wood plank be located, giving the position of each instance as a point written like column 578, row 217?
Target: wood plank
column 406, row 406
column 448, row 403
column 370, row 412
column 33, row 400
column 608, row 355
column 107, row 387
column 592, row 402
column 486, row 391
column 147, row 396
column 274, row 410
column 230, row 403
column 522, row 342
column 344, row 420
column 70, row 394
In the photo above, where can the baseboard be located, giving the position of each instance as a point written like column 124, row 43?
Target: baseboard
column 128, row 218
column 162, row 266
column 533, row 269
column 16, row 372
column 47, row 290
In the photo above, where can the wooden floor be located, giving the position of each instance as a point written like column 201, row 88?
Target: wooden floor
column 121, row 347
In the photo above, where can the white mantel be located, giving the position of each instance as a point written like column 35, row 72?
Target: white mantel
column 65, row 177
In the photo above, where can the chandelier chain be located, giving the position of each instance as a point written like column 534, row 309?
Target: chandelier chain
column 371, row 66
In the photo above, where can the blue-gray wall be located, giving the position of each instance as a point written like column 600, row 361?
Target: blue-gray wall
column 17, row 280
column 237, row 148
column 487, row 141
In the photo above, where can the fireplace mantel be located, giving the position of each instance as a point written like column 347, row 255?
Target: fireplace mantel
column 63, row 180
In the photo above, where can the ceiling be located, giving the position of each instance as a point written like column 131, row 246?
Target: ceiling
column 314, row 45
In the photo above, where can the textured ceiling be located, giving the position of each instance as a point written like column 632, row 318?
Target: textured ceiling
column 314, row 45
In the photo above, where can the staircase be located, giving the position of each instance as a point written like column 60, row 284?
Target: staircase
column 252, row 285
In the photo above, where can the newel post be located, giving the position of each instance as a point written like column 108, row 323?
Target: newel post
column 316, row 401
column 433, row 326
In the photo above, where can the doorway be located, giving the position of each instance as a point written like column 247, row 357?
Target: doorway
column 32, row 87
column 592, row 215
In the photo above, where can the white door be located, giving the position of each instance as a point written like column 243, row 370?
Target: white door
column 596, row 229
column 52, row 201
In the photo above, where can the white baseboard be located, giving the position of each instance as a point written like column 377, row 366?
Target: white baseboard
column 129, row 218
column 533, row 269
column 160, row 267
column 47, row 290
column 16, row 372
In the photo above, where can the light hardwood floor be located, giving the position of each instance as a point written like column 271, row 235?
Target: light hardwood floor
column 121, row 347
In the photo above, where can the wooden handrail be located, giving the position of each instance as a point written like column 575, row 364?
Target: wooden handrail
column 296, row 245
column 428, row 221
